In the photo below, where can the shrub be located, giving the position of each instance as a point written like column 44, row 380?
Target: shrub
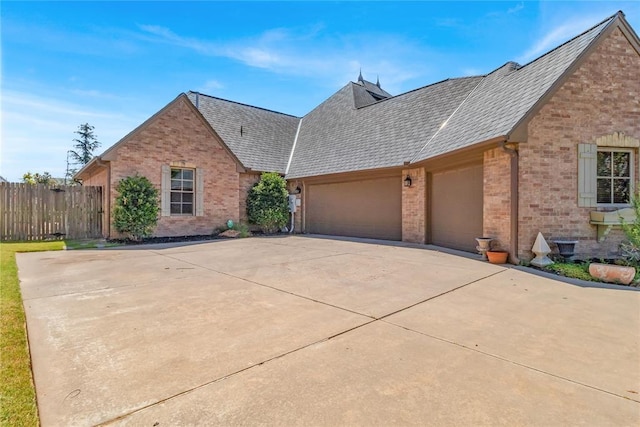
column 241, row 228
column 267, row 203
column 630, row 249
column 136, row 208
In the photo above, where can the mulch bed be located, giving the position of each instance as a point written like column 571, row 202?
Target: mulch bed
column 165, row 239
column 173, row 239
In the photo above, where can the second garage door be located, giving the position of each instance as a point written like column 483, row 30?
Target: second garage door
column 369, row 208
column 456, row 207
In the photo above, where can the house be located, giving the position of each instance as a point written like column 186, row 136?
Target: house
column 523, row 149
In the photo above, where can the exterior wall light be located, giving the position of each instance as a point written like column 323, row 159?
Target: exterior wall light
column 407, row 181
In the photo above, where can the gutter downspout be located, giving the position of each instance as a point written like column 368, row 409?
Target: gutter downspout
column 513, row 243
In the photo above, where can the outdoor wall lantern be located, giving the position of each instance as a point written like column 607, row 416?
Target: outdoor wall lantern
column 297, row 190
column 407, row 181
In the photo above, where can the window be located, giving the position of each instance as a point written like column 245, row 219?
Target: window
column 614, row 176
column 182, row 191
column 606, row 172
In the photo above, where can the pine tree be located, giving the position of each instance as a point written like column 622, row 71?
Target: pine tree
column 85, row 145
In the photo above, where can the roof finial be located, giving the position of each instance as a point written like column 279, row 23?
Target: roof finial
column 378, row 81
column 360, row 79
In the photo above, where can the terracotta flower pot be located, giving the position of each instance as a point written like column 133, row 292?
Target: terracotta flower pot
column 612, row 273
column 497, row 257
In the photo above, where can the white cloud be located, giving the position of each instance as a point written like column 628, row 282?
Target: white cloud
column 212, row 85
column 516, row 8
column 93, row 93
column 311, row 52
column 555, row 36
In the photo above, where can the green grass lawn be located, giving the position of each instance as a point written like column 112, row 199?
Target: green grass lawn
column 17, row 395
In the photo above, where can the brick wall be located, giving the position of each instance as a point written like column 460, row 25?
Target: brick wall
column 496, row 213
column 178, row 137
column 601, row 97
column 414, row 208
column 247, row 180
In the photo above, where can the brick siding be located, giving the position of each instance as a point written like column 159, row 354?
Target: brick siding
column 178, row 137
column 601, row 97
column 496, row 213
column 247, row 181
column 414, row 208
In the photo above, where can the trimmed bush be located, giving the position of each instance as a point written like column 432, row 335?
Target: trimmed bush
column 267, row 203
column 135, row 213
column 631, row 248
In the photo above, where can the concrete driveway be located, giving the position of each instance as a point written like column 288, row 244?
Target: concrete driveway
column 314, row 331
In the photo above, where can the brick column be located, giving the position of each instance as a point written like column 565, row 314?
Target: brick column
column 496, row 215
column 414, row 207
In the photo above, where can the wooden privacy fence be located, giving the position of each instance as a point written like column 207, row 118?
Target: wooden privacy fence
column 39, row 212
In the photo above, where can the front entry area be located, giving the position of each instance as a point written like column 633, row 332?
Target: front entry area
column 456, row 207
column 370, row 208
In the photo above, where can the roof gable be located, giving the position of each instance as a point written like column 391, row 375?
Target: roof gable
column 261, row 139
column 362, row 127
column 110, row 153
column 507, row 95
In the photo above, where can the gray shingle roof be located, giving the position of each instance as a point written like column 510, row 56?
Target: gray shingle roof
column 355, row 130
column 505, row 96
column 373, row 88
column 261, row 139
column 338, row 137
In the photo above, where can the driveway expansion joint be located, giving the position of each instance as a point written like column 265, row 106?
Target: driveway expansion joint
column 568, row 370
column 278, row 289
column 279, row 356
column 513, row 362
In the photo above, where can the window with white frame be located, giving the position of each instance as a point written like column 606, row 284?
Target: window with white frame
column 182, row 191
column 614, row 176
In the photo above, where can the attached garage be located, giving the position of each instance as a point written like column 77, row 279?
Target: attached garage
column 456, row 207
column 369, row 208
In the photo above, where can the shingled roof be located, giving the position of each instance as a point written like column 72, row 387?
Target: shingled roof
column 350, row 132
column 261, row 139
column 362, row 127
column 338, row 137
column 505, row 96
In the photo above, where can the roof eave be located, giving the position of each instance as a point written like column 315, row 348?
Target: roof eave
column 95, row 163
column 109, row 154
column 518, row 132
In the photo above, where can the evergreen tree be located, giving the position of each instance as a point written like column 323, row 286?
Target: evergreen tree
column 86, row 144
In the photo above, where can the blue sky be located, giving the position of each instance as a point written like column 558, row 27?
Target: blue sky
column 114, row 64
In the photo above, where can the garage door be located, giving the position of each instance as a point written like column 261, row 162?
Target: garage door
column 456, row 208
column 370, row 208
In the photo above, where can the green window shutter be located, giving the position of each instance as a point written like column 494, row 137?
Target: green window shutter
column 199, row 192
column 165, row 191
column 587, row 175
